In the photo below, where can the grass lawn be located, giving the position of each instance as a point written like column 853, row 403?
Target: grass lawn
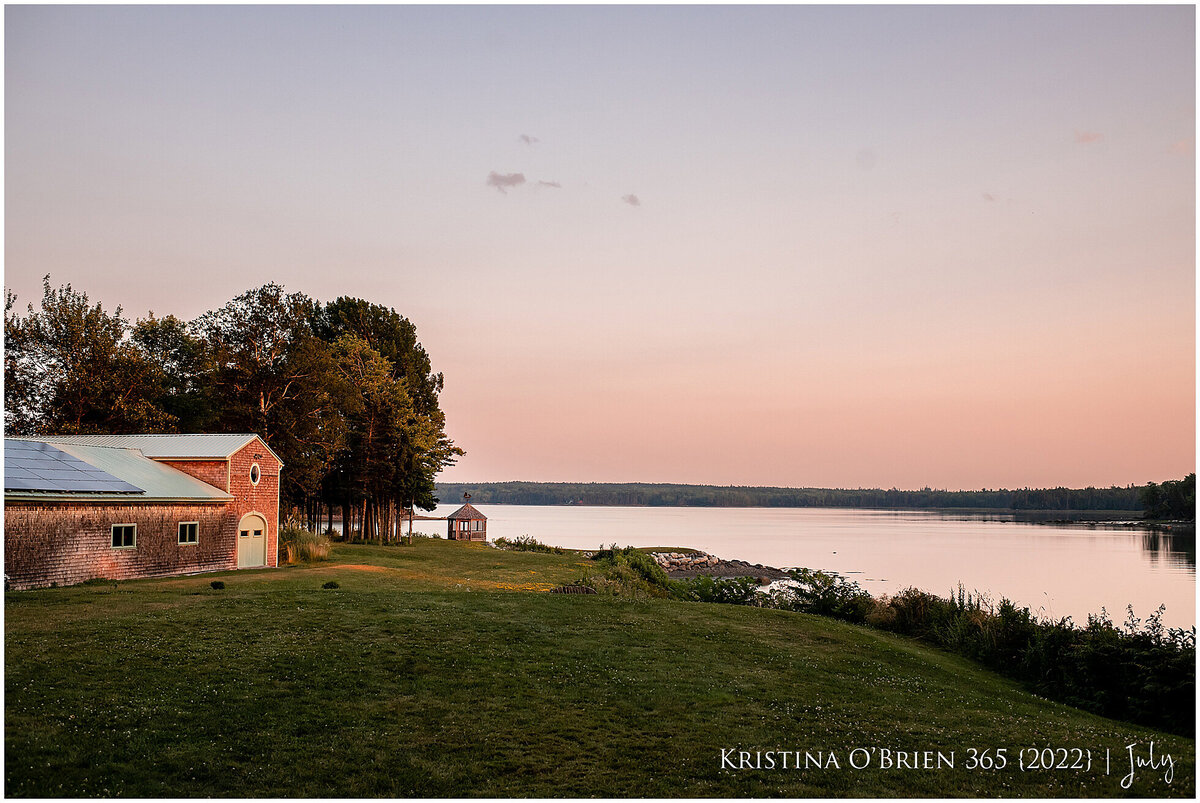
column 439, row 670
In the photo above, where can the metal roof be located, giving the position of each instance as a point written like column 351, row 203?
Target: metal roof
column 467, row 512
column 34, row 466
column 152, row 481
column 166, row 447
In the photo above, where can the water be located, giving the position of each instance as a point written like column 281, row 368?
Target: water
column 1056, row 570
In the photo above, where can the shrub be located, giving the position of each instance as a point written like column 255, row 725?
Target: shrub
column 627, row 572
column 1142, row 673
column 302, row 546
column 527, row 543
column 825, row 594
column 729, row 590
column 1138, row 673
column 331, row 584
column 217, row 585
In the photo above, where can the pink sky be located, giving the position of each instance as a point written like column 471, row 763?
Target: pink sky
column 893, row 246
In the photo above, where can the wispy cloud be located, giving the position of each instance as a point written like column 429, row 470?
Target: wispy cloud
column 987, row 196
column 553, row 184
column 1087, row 137
column 528, row 140
column 631, row 199
column 504, row 181
column 1184, row 146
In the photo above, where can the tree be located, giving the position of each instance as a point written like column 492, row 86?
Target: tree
column 419, row 448
column 19, row 408
column 75, row 371
column 275, row 377
column 186, row 390
column 1173, row 499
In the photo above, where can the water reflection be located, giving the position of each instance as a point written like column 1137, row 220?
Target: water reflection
column 1177, row 550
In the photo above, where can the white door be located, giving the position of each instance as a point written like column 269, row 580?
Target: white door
column 252, row 541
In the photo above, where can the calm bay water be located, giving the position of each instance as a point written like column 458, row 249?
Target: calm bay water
column 1056, row 570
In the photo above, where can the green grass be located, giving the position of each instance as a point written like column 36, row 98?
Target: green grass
column 402, row 683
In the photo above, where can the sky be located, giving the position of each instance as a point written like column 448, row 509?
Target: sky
column 937, row 246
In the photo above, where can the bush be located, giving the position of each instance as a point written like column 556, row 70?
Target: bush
column 331, row 584
column 627, row 572
column 825, row 594
column 217, row 585
column 1142, row 673
column 1138, row 673
column 729, row 590
column 526, row 543
column 302, row 546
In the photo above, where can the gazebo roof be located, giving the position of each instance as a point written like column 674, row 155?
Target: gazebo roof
column 467, row 512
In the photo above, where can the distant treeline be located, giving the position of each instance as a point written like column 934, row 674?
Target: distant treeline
column 1130, row 498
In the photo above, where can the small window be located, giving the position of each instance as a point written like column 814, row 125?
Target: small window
column 124, row 536
column 189, row 532
column 255, row 473
column 244, row 534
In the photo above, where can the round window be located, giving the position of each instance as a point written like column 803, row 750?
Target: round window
column 254, row 474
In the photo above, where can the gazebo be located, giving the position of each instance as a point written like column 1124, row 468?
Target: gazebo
column 467, row 523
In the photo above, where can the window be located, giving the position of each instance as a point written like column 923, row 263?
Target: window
column 189, row 532
column 255, row 473
column 124, row 536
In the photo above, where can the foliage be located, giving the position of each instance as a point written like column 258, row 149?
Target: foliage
column 217, row 585
column 331, row 584
column 70, row 369
column 823, row 593
column 728, row 590
column 303, row 546
column 675, row 495
column 1174, row 499
column 527, row 543
column 626, row 572
column 1143, row 674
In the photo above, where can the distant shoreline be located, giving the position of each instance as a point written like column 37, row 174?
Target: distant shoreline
column 1113, row 503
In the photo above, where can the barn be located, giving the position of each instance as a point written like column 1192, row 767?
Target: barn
column 120, row 507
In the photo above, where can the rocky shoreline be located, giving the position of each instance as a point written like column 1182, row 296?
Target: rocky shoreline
column 679, row 565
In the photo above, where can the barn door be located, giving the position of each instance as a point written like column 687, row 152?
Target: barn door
column 252, row 541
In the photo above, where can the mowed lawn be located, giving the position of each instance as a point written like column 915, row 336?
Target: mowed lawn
column 444, row 669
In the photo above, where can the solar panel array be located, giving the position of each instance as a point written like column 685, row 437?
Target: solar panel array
column 32, row 466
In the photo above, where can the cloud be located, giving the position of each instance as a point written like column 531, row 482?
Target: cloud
column 987, row 196
column 502, row 181
column 631, row 199
column 528, row 140
column 1184, row 146
column 553, row 184
column 1087, row 137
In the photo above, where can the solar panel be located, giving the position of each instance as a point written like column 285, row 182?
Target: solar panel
column 33, row 466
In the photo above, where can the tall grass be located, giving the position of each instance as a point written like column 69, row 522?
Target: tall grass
column 302, row 546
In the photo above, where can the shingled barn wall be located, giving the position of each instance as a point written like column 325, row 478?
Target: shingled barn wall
column 214, row 472
column 262, row 498
column 64, row 544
